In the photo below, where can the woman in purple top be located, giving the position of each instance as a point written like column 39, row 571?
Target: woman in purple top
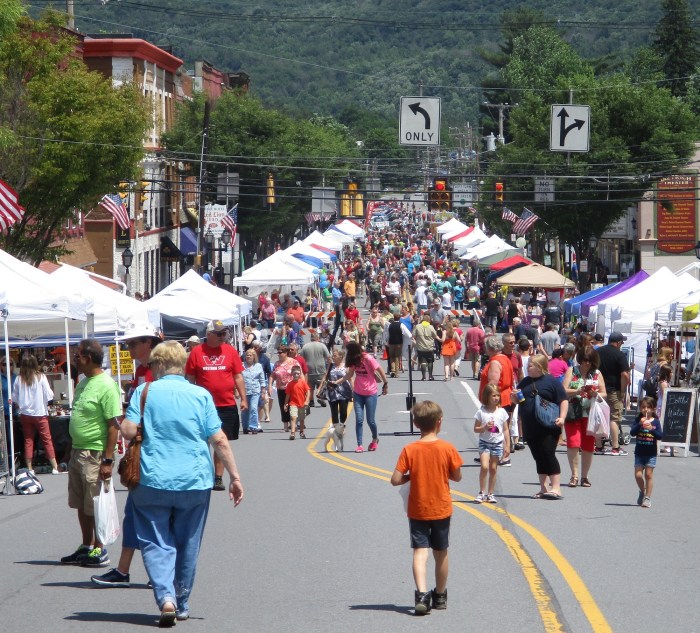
column 365, row 369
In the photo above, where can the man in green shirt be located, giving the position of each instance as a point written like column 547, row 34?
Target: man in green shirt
column 93, row 431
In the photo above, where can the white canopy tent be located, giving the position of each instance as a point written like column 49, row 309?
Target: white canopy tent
column 477, row 236
column 450, row 226
column 326, row 241
column 112, row 310
column 351, row 228
column 492, row 245
column 304, row 249
column 277, row 271
column 339, row 235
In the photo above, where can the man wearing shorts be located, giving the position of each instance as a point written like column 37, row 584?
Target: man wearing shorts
column 93, row 431
column 217, row 367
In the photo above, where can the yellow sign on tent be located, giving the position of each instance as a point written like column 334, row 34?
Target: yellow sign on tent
column 690, row 312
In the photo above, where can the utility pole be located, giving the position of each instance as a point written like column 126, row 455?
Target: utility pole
column 71, row 14
column 202, row 175
column 502, row 107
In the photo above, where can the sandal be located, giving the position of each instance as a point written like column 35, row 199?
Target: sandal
column 539, row 495
column 291, row 437
column 573, row 482
column 302, row 435
column 585, row 483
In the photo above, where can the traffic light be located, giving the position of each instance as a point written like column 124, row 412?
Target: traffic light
column 352, row 203
column 144, row 190
column 270, row 189
column 500, row 190
column 440, row 196
column 123, row 190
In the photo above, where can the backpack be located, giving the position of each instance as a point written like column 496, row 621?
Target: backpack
column 651, row 387
column 26, row 483
column 395, row 333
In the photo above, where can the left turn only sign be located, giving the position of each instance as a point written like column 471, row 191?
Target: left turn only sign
column 419, row 121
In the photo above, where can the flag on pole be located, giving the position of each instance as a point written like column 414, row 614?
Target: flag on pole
column 230, row 221
column 472, row 210
column 527, row 219
column 113, row 204
column 509, row 216
column 10, row 209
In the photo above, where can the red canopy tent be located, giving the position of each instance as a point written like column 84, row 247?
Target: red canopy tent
column 511, row 261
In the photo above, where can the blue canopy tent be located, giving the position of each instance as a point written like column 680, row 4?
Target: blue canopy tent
column 497, row 273
column 309, row 259
column 573, row 306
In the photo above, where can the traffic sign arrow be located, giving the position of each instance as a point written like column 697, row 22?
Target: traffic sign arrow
column 565, row 129
column 415, row 108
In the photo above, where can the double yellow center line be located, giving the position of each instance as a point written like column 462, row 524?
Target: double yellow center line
column 538, row 586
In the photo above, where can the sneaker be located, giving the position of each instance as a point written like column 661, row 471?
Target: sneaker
column 477, row 460
column 504, row 462
column 218, row 484
column 480, row 498
column 640, row 497
column 182, row 614
column 423, row 602
column 97, row 557
column 76, row 556
column 439, row 600
column 618, row 451
column 646, row 502
column 373, row 445
column 492, row 499
column 599, row 450
column 113, row 578
column 359, row 449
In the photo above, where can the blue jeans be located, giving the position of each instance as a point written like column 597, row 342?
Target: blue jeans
column 169, row 526
column 249, row 417
column 129, row 538
column 360, row 404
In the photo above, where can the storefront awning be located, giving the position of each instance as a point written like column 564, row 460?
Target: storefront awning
column 188, row 241
column 168, row 251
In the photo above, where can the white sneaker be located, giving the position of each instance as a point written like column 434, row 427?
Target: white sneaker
column 480, row 498
column 491, row 499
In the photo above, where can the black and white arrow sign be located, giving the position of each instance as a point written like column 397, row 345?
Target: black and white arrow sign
column 419, row 122
column 569, row 128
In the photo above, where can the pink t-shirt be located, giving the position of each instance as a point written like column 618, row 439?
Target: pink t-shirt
column 557, row 367
column 365, row 382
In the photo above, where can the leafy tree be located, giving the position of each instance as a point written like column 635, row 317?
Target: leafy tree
column 255, row 141
column 66, row 136
column 638, row 133
column 677, row 43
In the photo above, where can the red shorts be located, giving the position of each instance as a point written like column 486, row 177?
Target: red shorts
column 576, row 436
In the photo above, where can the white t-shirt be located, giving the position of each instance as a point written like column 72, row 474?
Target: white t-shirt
column 497, row 419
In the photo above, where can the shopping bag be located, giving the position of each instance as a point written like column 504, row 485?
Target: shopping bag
column 598, row 418
column 107, row 526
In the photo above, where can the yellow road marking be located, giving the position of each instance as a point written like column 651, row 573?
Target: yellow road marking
column 538, row 587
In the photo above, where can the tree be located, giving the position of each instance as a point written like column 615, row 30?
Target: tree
column 677, row 43
column 67, row 136
column 255, row 141
column 634, row 130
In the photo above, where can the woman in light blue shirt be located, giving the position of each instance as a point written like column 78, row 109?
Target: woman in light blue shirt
column 255, row 385
column 171, row 501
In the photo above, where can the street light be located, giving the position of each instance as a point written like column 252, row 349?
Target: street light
column 226, row 239
column 592, row 245
column 127, row 260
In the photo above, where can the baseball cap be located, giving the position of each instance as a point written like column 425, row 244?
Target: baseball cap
column 194, row 339
column 59, row 350
column 616, row 337
column 140, row 330
column 598, row 337
column 216, row 326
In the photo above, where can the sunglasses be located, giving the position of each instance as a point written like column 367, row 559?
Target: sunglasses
column 221, row 334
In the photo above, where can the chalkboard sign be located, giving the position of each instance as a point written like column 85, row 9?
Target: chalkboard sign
column 677, row 412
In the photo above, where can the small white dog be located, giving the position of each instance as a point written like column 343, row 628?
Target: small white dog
column 336, row 433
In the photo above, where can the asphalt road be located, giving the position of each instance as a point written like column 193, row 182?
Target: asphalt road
column 321, row 543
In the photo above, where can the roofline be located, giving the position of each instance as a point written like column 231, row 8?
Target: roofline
column 141, row 49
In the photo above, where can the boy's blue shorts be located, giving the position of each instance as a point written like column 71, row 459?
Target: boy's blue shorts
column 432, row 534
column 645, row 461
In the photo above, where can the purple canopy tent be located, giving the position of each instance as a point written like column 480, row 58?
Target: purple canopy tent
column 615, row 290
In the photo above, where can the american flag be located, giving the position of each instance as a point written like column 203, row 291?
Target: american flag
column 230, row 221
column 472, row 210
column 10, row 209
column 527, row 219
column 509, row 215
column 113, row 204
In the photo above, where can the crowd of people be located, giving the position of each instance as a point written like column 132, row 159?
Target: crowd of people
column 422, row 304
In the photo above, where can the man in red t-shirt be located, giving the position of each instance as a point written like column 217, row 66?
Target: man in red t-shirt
column 352, row 313
column 217, row 367
column 297, row 312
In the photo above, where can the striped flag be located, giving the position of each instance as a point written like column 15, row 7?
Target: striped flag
column 472, row 210
column 10, row 209
column 527, row 219
column 113, row 204
column 230, row 221
column 509, row 216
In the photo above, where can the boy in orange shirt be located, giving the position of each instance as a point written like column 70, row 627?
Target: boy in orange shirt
column 298, row 396
column 429, row 464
